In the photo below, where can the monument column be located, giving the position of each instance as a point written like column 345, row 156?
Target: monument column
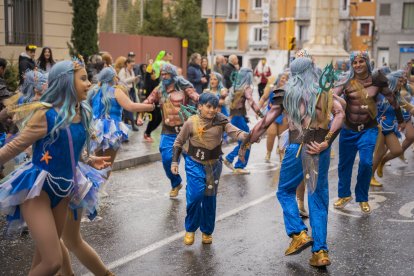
column 323, row 34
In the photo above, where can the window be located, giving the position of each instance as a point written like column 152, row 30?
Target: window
column 257, row 35
column 233, row 11
column 23, row 22
column 408, row 16
column 257, row 4
column 344, row 5
column 385, row 9
column 364, row 28
column 366, row 0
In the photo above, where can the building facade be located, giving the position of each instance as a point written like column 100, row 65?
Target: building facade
column 394, row 32
column 244, row 31
column 39, row 22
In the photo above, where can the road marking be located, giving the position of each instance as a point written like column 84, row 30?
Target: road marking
column 400, row 220
column 406, row 210
column 152, row 247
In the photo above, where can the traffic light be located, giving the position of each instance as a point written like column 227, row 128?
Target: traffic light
column 292, row 43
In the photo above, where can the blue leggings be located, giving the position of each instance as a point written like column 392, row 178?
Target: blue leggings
column 240, row 122
column 291, row 175
column 166, row 150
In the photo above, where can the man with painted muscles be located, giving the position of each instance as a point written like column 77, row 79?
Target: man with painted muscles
column 360, row 131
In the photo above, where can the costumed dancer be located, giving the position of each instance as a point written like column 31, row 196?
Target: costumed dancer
column 203, row 164
column 360, row 131
column 216, row 87
column 172, row 95
column 308, row 154
column 389, row 127
column 40, row 190
column 108, row 101
column 280, row 124
column 240, row 92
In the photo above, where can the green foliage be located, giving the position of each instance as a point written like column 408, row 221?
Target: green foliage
column 84, row 39
column 189, row 24
column 157, row 22
column 11, row 76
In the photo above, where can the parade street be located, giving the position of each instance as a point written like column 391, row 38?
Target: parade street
column 140, row 230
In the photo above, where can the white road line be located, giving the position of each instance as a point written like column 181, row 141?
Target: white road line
column 152, row 247
column 400, row 220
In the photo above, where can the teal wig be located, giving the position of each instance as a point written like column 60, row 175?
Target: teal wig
column 220, row 82
column 32, row 80
column 106, row 80
column 244, row 78
column 301, row 90
column 61, row 94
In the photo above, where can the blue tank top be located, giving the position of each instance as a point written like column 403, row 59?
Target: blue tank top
column 59, row 150
column 98, row 107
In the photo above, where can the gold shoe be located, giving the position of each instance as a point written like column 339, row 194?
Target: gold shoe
column 380, row 169
column 342, row 202
column 320, row 259
column 299, row 243
column 267, row 157
column 241, row 171
column 206, row 239
column 228, row 164
column 174, row 191
column 365, row 208
column 189, row 238
column 375, row 182
column 302, row 211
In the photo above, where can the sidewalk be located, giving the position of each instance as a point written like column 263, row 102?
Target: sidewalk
column 137, row 151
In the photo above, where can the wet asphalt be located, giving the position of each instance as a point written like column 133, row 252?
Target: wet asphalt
column 139, row 230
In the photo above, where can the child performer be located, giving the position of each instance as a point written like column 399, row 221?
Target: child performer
column 203, row 164
column 39, row 191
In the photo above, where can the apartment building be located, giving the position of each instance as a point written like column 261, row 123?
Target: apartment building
column 39, row 22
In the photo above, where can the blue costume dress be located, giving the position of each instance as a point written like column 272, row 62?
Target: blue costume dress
column 49, row 171
column 386, row 117
column 109, row 129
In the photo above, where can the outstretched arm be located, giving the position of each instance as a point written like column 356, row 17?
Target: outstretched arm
column 129, row 105
column 260, row 128
column 179, row 142
column 248, row 92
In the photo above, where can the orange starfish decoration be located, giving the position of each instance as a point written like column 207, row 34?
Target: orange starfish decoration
column 200, row 131
column 46, row 157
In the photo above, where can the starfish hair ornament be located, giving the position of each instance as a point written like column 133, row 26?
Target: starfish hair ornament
column 303, row 53
column 78, row 62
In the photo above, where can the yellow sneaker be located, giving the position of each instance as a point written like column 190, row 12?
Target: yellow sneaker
column 342, row 202
column 365, row 208
column 189, row 238
column 380, row 169
column 241, row 171
column 375, row 182
column 206, row 239
column 174, row 191
column 320, row 259
column 299, row 243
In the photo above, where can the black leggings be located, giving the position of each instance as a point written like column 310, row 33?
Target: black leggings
column 155, row 122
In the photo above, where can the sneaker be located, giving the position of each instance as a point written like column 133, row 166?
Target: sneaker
column 375, row 182
column 299, row 242
column 320, row 259
column 228, row 164
column 189, row 238
column 206, row 239
column 365, row 208
column 174, row 191
column 148, row 138
column 342, row 202
column 241, row 171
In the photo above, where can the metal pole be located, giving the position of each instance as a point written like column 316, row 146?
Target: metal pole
column 213, row 33
column 114, row 4
column 141, row 14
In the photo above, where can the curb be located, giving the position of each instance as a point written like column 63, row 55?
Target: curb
column 135, row 161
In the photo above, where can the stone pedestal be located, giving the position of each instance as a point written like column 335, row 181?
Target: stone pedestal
column 323, row 34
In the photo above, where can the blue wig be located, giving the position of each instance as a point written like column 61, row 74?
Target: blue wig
column 61, row 94
column 244, row 78
column 106, row 80
column 179, row 82
column 393, row 78
column 33, row 80
column 358, row 54
column 301, row 89
column 210, row 98
column 220, row 81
